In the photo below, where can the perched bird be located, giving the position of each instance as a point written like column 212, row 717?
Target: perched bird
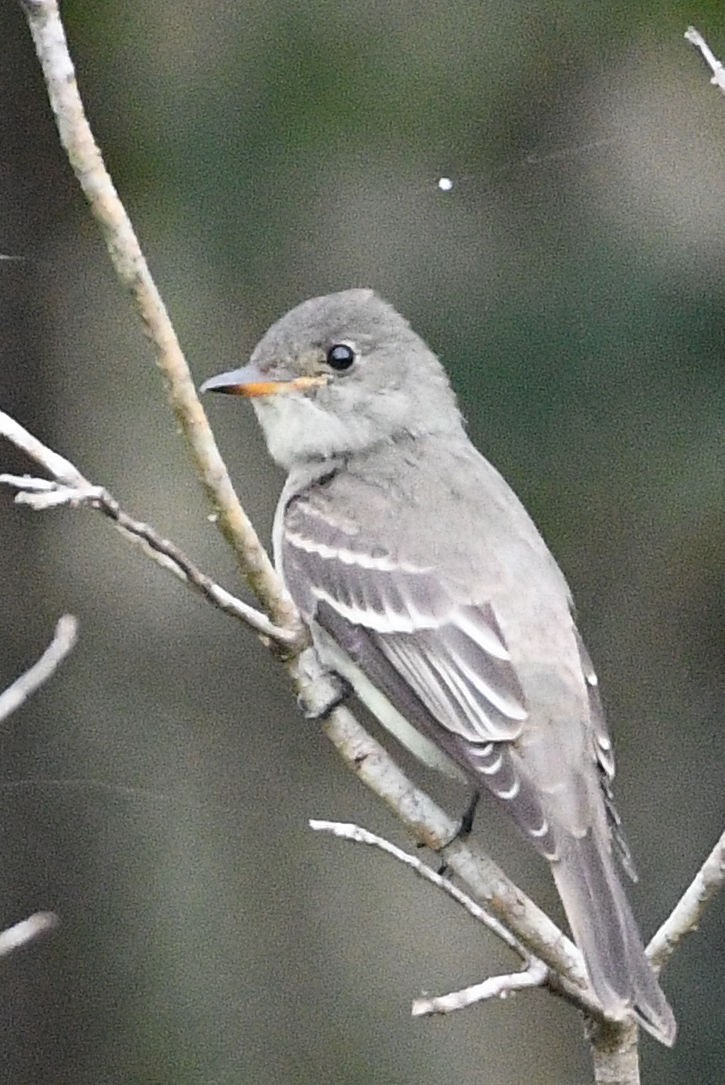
column 427, row 586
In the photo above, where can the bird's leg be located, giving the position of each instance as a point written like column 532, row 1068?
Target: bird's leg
column 319, row 691
column 465, row 826
column 339, row 690
column 468, row 817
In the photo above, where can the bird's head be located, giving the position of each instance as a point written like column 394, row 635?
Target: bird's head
column 339, row 374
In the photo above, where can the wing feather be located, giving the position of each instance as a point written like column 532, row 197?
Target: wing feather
column 439, row 661
column 603, row 753
column 453, row 655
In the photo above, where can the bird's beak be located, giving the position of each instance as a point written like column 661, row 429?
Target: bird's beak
column 250, row 381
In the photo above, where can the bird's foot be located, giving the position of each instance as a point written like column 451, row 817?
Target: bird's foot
column 464, row 829
column 319, row 691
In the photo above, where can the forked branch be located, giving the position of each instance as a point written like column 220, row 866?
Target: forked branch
column 69, row 487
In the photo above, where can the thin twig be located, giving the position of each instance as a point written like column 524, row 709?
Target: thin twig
column 431, row 826
column 358, row 835
column 535, row 974
column 61, row 469
column 62, row 643
column 689, row 910
column 132, row 270
column 718, row 72
column 27, row 930
column 71, row 488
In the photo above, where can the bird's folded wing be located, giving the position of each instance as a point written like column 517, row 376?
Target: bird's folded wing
column 451, row 654
column 441, row 662
column 603, row 752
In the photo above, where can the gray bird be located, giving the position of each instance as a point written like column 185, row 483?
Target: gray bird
column 427, row 586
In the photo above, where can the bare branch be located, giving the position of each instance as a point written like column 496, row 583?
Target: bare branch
column 689, row 910
column 534, row 975
column 536, row 972
column 433, row 827
column 60, row 468
column 358, row 835
column 718, row 72
column 63, row 640
column 131, row 268
column 71, row 488
column 27, row 930
column 615, row 1052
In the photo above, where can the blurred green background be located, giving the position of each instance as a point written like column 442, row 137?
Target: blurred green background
column 156, row 793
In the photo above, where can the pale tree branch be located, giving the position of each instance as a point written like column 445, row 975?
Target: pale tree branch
column 62, row 643
column 64, row 639
column 715, row 66
column 26, row 931
column 357, row 835
column 615, row 1052
column 71, row 488
column 132, row 270
column 535, row 974
column 689, row 910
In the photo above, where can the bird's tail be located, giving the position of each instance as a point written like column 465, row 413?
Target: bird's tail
column 605, row 930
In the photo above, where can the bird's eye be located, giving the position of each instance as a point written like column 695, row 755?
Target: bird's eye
column 340, row 356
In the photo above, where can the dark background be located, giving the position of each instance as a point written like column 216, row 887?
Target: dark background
column 156, row 793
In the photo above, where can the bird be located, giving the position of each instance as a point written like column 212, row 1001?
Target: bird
column 427, row 587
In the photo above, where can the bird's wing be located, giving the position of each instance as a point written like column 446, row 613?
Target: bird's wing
column 452, row 655
column 442, row 664
column 603, row 754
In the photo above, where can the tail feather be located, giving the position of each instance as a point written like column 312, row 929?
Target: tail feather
column 606, row 932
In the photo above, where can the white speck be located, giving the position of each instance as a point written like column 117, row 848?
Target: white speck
column 445, row 184
column 213, row 517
